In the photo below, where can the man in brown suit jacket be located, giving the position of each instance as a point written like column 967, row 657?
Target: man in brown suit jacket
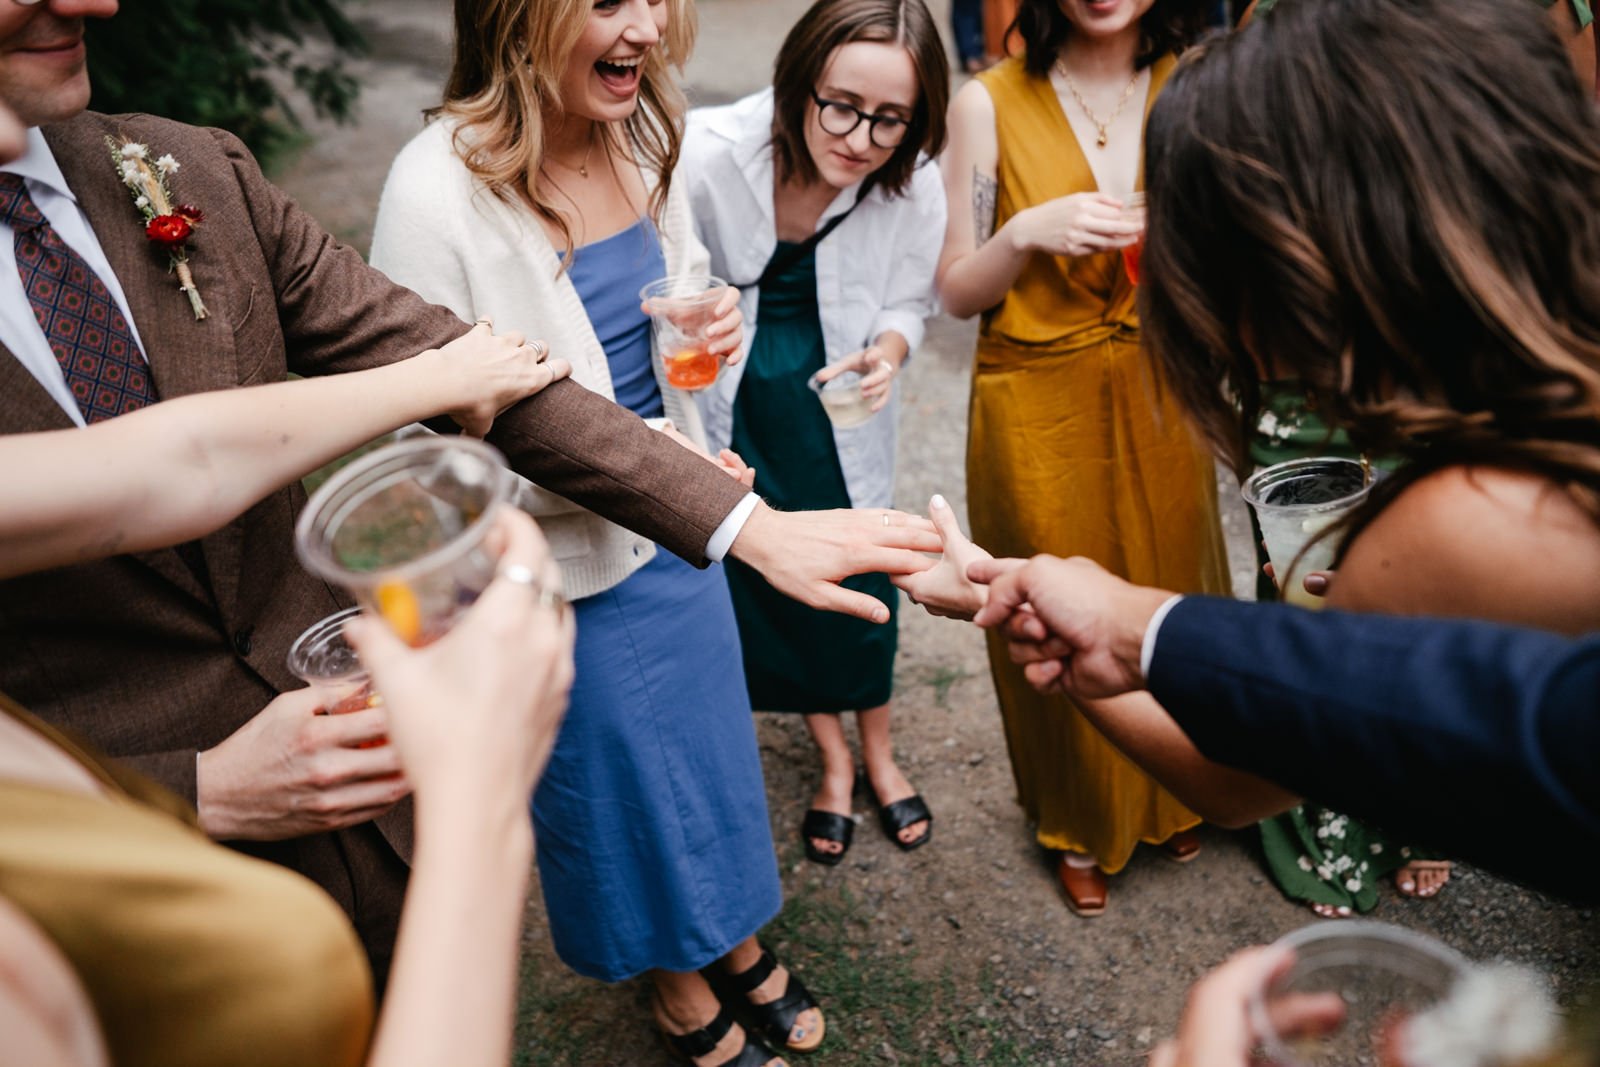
column 175, row 660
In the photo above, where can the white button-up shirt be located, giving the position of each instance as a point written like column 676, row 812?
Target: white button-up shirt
column 19, row 329
column 875, row 272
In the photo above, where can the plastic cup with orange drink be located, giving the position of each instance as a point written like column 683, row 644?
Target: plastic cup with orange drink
column 682, row 308
column 403, row 529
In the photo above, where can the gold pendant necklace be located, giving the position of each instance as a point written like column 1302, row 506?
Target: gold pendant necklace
column 1094, row 120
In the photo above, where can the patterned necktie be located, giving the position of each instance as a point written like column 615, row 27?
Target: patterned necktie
column 85, row 328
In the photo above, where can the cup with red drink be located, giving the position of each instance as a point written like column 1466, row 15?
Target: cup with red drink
column 1132, row 255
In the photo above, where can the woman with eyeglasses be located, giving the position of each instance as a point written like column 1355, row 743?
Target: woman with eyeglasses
column 1074, row 447
column 816, row 197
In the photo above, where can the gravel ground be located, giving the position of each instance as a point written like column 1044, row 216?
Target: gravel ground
column 962, row 952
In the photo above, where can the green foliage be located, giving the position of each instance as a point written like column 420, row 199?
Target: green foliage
column 227, row 63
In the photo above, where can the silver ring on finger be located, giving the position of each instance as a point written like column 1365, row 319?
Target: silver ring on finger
column 541, row 351
column 520, row 574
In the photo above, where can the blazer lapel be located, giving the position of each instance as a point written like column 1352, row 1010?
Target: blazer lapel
column 24, row 405
column 186, row 355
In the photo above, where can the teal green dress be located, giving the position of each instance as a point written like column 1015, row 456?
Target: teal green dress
column 798, row 659
column 1313, row 853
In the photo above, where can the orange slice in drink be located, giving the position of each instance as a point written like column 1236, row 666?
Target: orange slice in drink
column 399, row 608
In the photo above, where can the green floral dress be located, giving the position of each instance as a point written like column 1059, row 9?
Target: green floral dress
column 1313, row 853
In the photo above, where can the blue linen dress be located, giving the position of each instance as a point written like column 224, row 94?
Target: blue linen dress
column 654, row 846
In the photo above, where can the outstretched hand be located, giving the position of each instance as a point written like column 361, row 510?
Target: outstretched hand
column 806, row 554
column 946, row 589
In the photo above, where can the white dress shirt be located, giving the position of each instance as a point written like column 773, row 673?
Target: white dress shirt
column 19, row 329
column 874, row 273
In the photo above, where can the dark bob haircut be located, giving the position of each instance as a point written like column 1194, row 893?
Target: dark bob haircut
column 1394, row 202
column 1168, row 27
column 805, row 54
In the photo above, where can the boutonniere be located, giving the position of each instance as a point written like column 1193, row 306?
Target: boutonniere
column 165, row 223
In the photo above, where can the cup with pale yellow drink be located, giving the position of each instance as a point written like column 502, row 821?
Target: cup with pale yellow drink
column 1294, row 503
column 682, row 309
column 403, row 529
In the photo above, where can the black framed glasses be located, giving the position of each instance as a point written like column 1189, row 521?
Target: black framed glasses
column 841, row 119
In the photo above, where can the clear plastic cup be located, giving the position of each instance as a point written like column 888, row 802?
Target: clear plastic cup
column 403, row 530
column 842, row 399
column 324, row 660
column 1133, row 210
column 1382, row 974
column 1296, row 501
column 682, row 308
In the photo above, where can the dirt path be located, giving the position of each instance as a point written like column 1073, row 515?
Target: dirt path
column 963, row 952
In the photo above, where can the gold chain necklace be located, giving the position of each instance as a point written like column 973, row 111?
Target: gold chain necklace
column 1094, row 120
column 581, row 168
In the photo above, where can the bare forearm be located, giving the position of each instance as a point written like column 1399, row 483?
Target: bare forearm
column 185, row 467
column 452, row 989
column 980, row 279
column 1146, row 734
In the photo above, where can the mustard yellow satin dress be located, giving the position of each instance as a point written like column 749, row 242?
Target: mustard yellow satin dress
column 192, row 955
column 1075, row 448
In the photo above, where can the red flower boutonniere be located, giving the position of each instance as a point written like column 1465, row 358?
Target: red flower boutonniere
column 165, row 224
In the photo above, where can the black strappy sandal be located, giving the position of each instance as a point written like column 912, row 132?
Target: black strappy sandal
column 829, row 827
column 704, row 1041
column 903, row 813
column 774, row 1020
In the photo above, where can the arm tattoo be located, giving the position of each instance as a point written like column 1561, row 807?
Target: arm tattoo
column 985, row 191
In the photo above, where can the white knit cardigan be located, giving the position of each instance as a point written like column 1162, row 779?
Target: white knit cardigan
column 442, row 234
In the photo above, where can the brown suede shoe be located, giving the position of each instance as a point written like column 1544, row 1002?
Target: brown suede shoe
column 1085, row 888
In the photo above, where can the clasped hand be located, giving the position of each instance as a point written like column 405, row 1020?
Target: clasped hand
column 1070, row 624
column 1076, row 225
column 482, row 374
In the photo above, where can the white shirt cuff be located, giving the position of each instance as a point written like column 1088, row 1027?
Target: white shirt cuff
column 723, row 538
column 1147, row 651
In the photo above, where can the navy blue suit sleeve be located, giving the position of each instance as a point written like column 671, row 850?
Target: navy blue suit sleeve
column 1476, row 739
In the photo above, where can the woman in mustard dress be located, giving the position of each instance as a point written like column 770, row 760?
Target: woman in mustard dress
column 1074, row 446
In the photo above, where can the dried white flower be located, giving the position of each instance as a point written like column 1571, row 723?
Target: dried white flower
column 1497, row 1014
column 134, row 151
column 130, row 172
column 167, row 165
column 141, row 201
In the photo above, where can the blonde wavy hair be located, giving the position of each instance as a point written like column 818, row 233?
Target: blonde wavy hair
column 505, row 87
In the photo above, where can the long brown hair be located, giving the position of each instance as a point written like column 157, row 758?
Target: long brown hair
column 1398, row 203
column 1168, row 27
column 810, row 44
column 505, row 86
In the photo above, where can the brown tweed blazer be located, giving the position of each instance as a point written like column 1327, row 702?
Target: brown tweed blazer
column 153, row 664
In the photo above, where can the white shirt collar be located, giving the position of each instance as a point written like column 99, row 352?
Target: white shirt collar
column 38, row 164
